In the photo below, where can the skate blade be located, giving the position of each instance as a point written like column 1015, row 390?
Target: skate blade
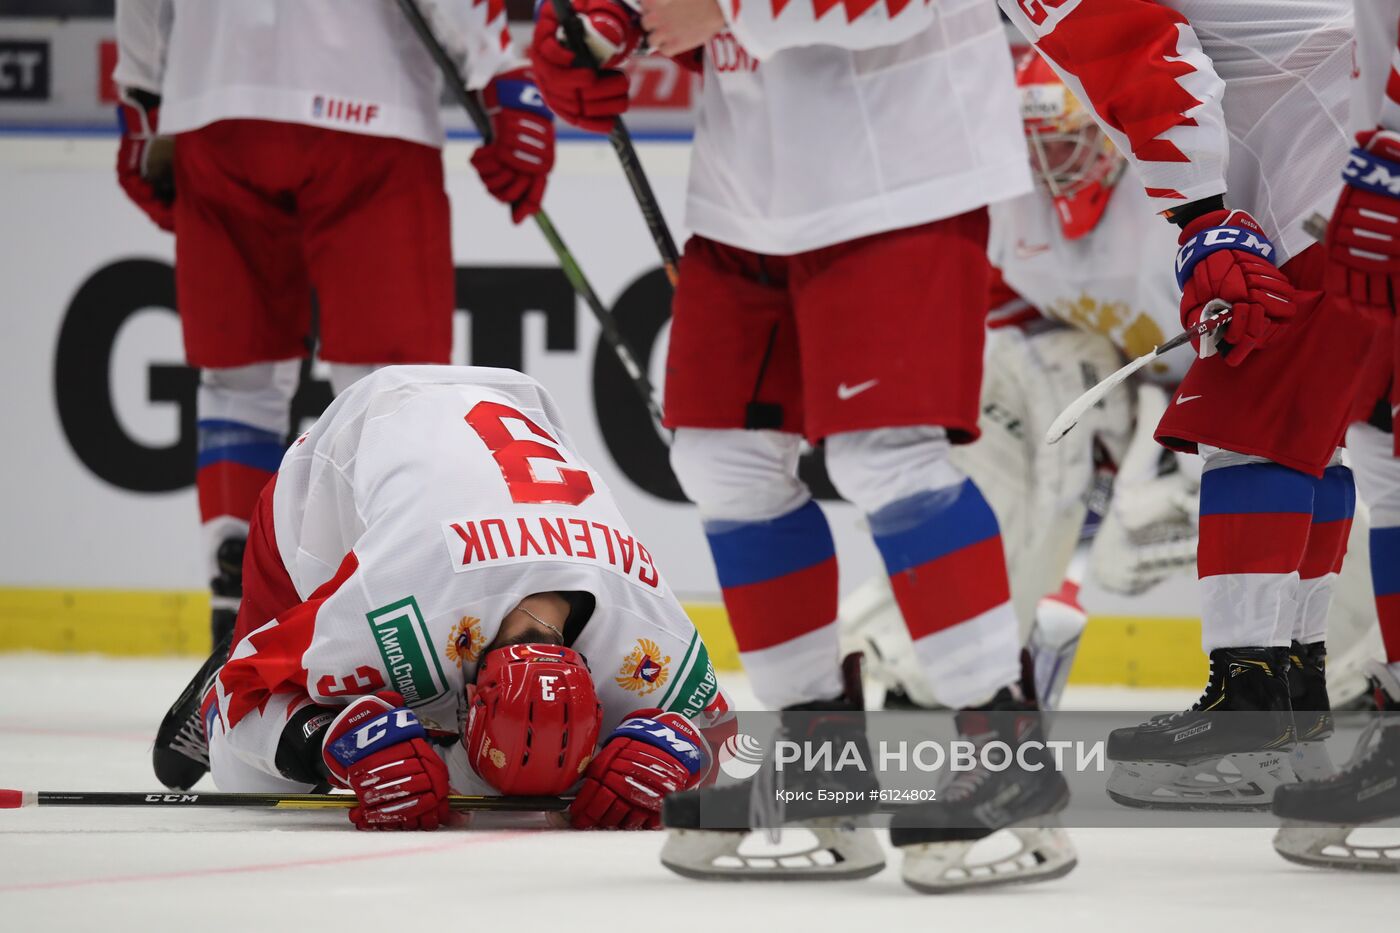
column 837, row 854
column 1245, row 781
column 1318, row 846
column 1043, row 854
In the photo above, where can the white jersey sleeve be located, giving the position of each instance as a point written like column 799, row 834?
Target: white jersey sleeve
column 451, row 493
column 1211, row 97
column 1376, row 90
column 143, row 30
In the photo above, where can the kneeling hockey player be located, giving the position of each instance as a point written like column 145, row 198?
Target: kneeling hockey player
column 434, row 569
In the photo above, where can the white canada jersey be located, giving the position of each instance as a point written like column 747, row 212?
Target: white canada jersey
column 824, row 143
column 1247, row 98
column 1117, row 280
column 352, row 65
column 419, row 510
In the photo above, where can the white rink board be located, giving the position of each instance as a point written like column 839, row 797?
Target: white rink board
column 134, row 870
column 64, row 218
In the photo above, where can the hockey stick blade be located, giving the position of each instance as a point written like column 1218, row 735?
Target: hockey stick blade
column 14, row 799
column 1066, row 420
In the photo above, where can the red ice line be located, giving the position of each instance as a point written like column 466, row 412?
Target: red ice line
column 468, row 839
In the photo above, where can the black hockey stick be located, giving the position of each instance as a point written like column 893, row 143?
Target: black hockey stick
column 14, row 799
column 572, row 271
column 621, row 141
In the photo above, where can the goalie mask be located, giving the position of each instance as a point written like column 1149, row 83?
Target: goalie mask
column 534, row 718
column 1071, row 157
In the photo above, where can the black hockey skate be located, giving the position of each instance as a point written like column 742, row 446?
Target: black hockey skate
column 1312, row 710
column 181, row 753
column 1228, row 751
column 937, row 839
column 707, row 826
column 1319, row 816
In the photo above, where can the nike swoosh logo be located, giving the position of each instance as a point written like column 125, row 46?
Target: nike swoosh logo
column 1185, row 398
column 1026, row 252
column 845, row 392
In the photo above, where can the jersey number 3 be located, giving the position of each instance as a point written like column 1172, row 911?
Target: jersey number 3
column 513, row 455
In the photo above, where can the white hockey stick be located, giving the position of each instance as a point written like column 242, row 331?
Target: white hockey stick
column 1216, row 313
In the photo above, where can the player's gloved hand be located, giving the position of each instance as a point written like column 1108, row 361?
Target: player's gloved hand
column 649, row 755
column 586, row 97
column 1363, row 236
column 1224, row 254
column 515, row 165
column 144, row 165
column 377, row 748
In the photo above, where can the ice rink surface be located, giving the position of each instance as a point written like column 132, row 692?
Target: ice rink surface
column 85, row 723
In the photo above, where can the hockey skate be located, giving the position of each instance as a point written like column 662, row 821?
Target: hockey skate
column 1320, row 816
column 938, row 839
column 1312, row 710
column 707, row 827
column 181, row 753
column 1230, row 750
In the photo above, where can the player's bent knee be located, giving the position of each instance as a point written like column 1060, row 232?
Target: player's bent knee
column 259, row 395
column 739, row 475
column 875, row 468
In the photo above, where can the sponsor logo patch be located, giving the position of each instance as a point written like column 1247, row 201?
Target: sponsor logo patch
column 645, row 669
column 401, row 635
column 25, row 70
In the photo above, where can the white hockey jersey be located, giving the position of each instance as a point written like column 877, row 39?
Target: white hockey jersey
column 352, row 65
column 419, row 510
column 1117, row 280
column 798, row 148
column 1376, row 91
column 1243, row 97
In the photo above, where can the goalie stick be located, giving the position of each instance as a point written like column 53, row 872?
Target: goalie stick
column 621, row 141
column 14, row 799
column 572, row 271
column 1066, row 420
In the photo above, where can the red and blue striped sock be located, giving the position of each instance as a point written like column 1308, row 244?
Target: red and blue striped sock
column 1255, row 519
column 1385, row 578
column 942, row 549
column 1334, row 506
column 235, row 462
column 780, row 589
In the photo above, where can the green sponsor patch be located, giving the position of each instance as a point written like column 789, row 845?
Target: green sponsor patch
column 696, row 684
column 402, row 638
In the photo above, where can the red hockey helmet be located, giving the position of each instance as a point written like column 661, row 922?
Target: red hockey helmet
column 534, row 718
column 1071, row 156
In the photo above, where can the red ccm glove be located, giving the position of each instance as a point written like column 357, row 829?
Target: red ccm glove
column 649, row 755
column 377, row 748
column 138, row 117
column 515, row 165
column 1225, row 255
column 587, row 97
column 1363, row 236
